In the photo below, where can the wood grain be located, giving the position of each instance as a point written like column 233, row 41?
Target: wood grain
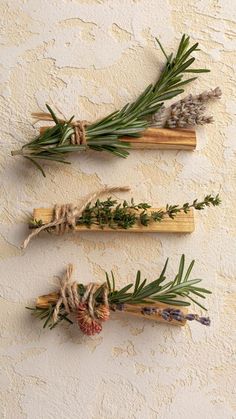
column 182, row 223
column 161, row 138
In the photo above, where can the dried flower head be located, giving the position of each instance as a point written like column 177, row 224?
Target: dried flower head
column 102, row 312
column 204, row 320
column 187, row 112
column 87, row 324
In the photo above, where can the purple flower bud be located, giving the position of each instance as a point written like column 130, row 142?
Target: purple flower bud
column 149, row 310
column 190, row 317
column 120, row 306
column 205, row 321
column 178, row 317
column 165, row 315
column 167, row 310
column 176, row 312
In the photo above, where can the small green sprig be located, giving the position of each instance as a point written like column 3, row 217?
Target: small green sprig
column 55, row 143
column 174, row 292
column 46, row 314
column 109, row 213
column 124, row 216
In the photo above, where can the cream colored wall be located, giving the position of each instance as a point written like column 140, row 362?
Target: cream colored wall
column 89, row 57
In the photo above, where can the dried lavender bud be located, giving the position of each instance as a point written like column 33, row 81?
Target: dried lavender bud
column 176, row 312
column 204, row 120
column 169, row 314
column 165, row 315
column 187, row 112
column 159, row 118
column 204, row 320
column 148, row 310
column 209, row 95
column 190, row 317
column 120, row 306
column 178, row 317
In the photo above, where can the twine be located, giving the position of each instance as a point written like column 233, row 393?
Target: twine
column 65, row 216
column 70, row 298
column 79, row 135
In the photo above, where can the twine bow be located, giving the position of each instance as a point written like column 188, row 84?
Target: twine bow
column 70, row 298
column 65, row 216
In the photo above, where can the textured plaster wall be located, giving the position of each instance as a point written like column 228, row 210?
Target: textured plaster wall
column 90, row 57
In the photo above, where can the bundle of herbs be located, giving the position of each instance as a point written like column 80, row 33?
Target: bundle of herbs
column 110, row 213
column 54, row 143
column 157, row 300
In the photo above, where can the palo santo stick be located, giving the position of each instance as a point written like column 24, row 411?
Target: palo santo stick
column 182, row 223
column 160, row 138
column 136, row 310
column 44, row 301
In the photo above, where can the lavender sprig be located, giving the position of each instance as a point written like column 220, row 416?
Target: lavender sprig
column 187, row 112
column 170, row 314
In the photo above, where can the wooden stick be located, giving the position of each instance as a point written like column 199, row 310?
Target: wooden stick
column 182, row 223
column 160, row 138
column 134, row 309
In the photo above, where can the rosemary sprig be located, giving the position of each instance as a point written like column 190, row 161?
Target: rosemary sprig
column 124, row 216
column 174, row 292
column 45, row 314
column 104, row 135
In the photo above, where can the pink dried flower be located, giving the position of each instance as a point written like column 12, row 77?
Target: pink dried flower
column 87, row 324
column 102, row 312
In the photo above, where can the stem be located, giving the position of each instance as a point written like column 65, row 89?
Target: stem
column 17, row 152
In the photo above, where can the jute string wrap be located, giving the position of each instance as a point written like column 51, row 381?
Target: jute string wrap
column 69, row 297
column 65, row 216
column 79, row 135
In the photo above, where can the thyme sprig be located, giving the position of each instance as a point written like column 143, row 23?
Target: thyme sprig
column 104, row 135
column 174, row 292
column 124, row 216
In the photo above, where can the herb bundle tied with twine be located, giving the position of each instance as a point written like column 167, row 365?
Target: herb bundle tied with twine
column 111, row 214
column 91, row 304
column 116, row 132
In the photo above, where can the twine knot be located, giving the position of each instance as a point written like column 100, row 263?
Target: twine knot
column 89, row 312
column 79, row 136
column 65, row 216
column 79, row 126
column 68, row 294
